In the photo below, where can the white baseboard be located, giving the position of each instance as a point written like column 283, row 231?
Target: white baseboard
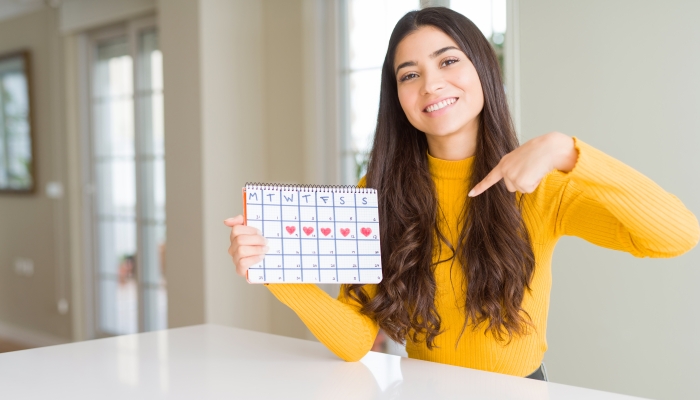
column 29, row 337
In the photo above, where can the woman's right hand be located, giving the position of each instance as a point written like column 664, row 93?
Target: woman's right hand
column 248, row 246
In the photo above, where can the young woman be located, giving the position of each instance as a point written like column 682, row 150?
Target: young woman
column 469, row 219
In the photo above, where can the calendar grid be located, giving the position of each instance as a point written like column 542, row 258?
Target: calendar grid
column 335, row 229
column 282, row 236
column 301, row 263
column 312, row 241
column 357, row 234
column 318, row 247
column 262, row 214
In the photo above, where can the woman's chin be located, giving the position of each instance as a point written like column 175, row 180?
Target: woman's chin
column 442, row 131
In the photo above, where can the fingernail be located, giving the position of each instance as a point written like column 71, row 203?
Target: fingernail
column 266, row 241
column 471, row 193
column 266, row 249
column 259, row 231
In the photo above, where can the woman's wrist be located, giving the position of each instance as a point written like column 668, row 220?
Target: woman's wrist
column 563, row 151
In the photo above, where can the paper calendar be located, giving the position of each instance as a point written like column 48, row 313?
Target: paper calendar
column 316, row 234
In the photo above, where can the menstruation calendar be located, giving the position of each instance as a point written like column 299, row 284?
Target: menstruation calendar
column 316, row 234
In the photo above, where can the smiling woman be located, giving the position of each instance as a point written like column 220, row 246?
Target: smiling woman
column 469, row 218
column 436, row 56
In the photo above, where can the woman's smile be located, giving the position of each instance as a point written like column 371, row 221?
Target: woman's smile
column 441, row 107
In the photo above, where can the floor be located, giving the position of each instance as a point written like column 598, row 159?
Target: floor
column 6, row 346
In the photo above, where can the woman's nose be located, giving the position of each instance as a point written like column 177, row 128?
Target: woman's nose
column 432, row 82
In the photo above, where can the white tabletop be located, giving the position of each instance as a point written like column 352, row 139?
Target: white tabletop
column 216, row 362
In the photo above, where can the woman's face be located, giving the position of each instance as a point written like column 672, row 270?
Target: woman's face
column 438, row 87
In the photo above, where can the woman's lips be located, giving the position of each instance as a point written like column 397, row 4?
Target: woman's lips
column 440, row 107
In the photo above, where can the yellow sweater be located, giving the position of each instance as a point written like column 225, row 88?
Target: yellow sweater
column 601, row 200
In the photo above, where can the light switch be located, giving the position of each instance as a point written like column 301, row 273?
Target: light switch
column 54, row 190
column 63, row 306
column 24, row 266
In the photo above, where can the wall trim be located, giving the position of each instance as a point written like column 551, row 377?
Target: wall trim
column 82, row 15
column 321, row 90
column 29, row 337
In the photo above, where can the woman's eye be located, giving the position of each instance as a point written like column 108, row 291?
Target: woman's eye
column 449, row 62
column 408, row 76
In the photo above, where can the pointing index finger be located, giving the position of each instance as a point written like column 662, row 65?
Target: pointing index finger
column 491, row 179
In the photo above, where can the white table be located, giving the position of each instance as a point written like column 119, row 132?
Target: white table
column 216, row 362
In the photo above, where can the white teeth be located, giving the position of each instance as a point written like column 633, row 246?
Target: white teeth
column 440, row 105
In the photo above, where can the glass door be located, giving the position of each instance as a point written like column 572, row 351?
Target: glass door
column 128, row 176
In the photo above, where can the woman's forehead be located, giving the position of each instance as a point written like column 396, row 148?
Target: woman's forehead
column 421, row 44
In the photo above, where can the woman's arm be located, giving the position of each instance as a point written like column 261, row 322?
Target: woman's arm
column 610, row 204
column 337, row 323
column 581, row 191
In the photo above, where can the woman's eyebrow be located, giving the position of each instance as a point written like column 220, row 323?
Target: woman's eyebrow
column 433, row 55
column 442, row 50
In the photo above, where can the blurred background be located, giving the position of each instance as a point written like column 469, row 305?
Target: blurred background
column 134, row 124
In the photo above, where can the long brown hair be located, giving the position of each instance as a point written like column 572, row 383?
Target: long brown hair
column 494, row 247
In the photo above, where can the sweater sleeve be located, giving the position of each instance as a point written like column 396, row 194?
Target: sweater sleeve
column 610, row 204
column 337, row 323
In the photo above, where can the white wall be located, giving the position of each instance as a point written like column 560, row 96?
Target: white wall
column 214, row 139
column 233, row 127
column 35, row 226
column 623, row 76
column 233, row 113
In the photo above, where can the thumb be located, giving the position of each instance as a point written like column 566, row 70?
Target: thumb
column 231, row 222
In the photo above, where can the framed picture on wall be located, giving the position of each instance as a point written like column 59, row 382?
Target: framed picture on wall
column 17, row 161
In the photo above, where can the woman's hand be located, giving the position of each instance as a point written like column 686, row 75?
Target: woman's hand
column 522, row 169
column 247, row 244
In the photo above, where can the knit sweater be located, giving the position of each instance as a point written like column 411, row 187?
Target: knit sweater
column 601, row 200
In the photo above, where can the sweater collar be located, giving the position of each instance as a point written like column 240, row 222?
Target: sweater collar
column 444, row 169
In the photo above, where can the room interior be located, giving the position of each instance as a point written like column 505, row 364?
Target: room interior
column 238, row 91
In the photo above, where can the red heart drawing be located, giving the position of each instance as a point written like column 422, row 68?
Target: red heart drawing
column 345, row 231
column 366, row 231
column 291, row 229
column 325, row 231
column 308, row 230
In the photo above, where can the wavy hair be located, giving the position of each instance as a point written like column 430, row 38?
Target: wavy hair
column 494, row 248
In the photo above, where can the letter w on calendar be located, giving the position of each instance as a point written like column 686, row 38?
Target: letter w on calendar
column 315, row 234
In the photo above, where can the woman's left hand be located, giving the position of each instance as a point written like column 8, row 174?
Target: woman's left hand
column 522, row 169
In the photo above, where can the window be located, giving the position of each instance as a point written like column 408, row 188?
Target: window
column 16, row 159
column 127, row 174
column 490, row 17
column 365, row 27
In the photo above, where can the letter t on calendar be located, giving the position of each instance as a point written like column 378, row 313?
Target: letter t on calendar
column 316, row 234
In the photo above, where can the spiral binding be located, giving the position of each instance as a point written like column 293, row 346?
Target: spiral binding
column 308, row 188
